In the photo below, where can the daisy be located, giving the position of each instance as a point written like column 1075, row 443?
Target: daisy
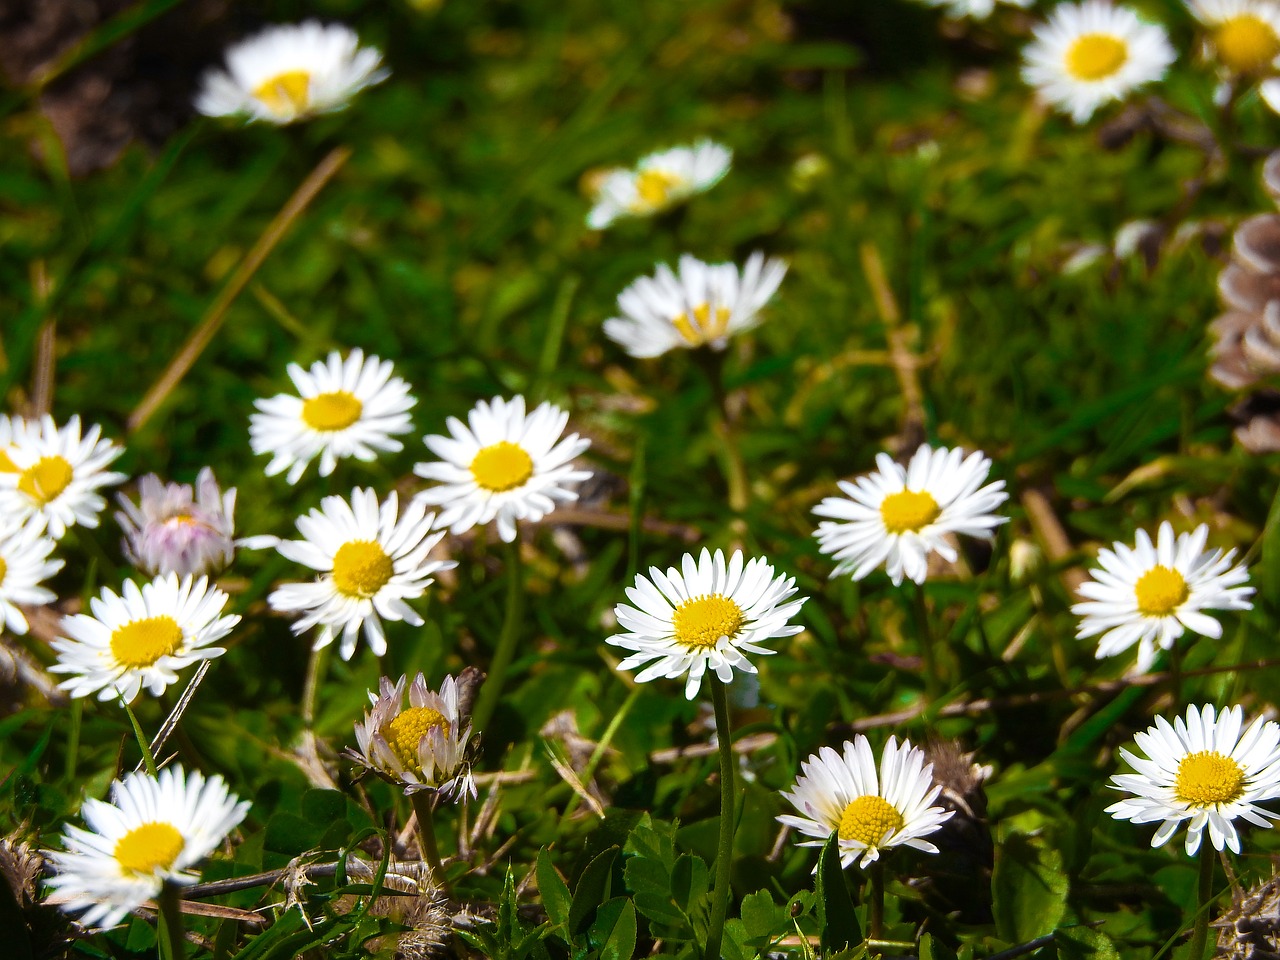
column 370, row 561
column 8, row 425
column 898, row 516
column 1150, row 595
column 502, row 465
column 1202, row 770
column 56, row 474
column 1244, row 35
column 978, row 9
column 660, row 180
column 704, row 615
column 704, row 304
column 141, row 637
column 345, row 408
column 419, row 747
column 290, row 72
column 841, row 793
column 24, row 565
column 175, row 530
column 153, row 832
column 1089, row 53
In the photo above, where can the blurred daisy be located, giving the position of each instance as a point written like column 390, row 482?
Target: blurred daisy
column 1150, row 595
column 24, row 565
column 502, row 465
column 705, row 615
column 172, row 529
column 1090, row 53
column 419, row 747
column 153, row 832
column 141, row 637
column 704, row 304
column 841, row 793
column 8, row 425
column 1244, row 35
column 660, row 180
column 1202, row 770
column 290, row 72
column 978, row 9
column 898, row 516
column 345, row 408
column 370, row 561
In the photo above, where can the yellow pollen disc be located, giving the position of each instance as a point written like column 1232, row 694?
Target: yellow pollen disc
column 1095, row 56
column 908, row 511
column 700, row 622
column 331, row 411
column 181, row 520
column 45, row 479
column 7, row 465
column 1246, row 44
column 868, row 819
column 654, row 188
column 405, row 731
column 140, row 643
column 287, row 94
column 703, row 327
column 502, row 466
column 361, row 568
column 1208, row 778
column 1160, row 591
column 148, row 848
column 4, row 570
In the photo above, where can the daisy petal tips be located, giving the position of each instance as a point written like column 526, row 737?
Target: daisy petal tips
column 705, row 616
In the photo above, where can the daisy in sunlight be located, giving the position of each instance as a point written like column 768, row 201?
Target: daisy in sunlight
column 658, row 181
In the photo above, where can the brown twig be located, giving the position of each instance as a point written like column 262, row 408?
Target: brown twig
column 42, row 386
column 905, row 363
column 1049, row 531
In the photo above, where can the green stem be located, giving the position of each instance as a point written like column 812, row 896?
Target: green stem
column 932, row 679
column 726, row 449
column 875, row 907
column 311, row 686
column 487, row 702
column 1200, row 933
column 424, row 808
column 1175, row 674
column 589, row 771
column 73, row 737
column 724, row 850
column 147, row 758
column 172, row 946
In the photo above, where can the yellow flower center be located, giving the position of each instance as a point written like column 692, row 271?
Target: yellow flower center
column 181, row 520
column 869, row 819
column 502, row 466
column 45, row 479
column 1207, row 778
column 331, row 411
column 140, row 643
column 654, row 189
column 405, row 731
column 908, row 511
column 700, row 622
column 703, row 327
column 1246, row 43
column 1160, row 591
column 6, row 464
column 1095, row 56
column 287, row 94
column 148, row 848
column 4, row 570
column 361, row 568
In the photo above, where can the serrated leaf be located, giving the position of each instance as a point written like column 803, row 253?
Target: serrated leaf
column 556, row 898
column 690, row 880
column 838, row 922
column 653, row 841
column 592, row 890
column 613, row 932
column 1028, row 887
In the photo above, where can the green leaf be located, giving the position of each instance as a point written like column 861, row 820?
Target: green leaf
column 556, row 899
column 1082, row 943
column 322, row 807
column 613, row 932
column 761, row 918
column 1267, row 572
column 592, row 890
column 690, row 880
column 653, row 841
column 1029, row 888
column 931, row 949
column 836, row 918
column 734, row 946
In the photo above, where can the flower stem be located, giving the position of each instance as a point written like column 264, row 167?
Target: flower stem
column 487, row 702
column 170, row 933
column 1200, row 933
column 719, row 421
column 311, row 686
column 724, row 850
column 73, row 737
column 148, row 758
column 932, row 680
column 1175, row 674
column 424, row 809
column 875, row 906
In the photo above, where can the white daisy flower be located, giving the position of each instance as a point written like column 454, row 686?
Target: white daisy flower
column 141, row 637
column 24, row 565
column 841, row 793
column 290, row 72
column 1150, row 595
column 978, row 9
column 898, row 516
column 345, row 408
column 660, row 180
column 502, row 465
column 56, row 475
column 705, row 615
column 1090, row 53
column 702, row 304
column 419, row 747
column 154, row 831
column 8, row 425
column 370, row 561
column 173, row 529
column 1244, row 35
column 1202, row 770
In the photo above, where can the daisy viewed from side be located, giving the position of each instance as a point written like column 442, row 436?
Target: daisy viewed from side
column 658, row 181
column 502, row 465
column 1152, row 594
column 154, row 831
column 290, row 72
column 1203, row 771
column 173, row 529
column 977, row 9
column 702, row 304
column 344, row 408
column 1243, row 35
column 899, row 515
column 704, row 616
column 1090, row 53
column 24, row 565
column 843, row 793
column 369, row 559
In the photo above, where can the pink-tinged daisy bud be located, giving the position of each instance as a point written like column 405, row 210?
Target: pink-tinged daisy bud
column 174, row 529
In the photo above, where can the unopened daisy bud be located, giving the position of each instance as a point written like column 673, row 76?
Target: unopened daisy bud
column 1025, row 560
column 173, row 529
column 660, row 180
